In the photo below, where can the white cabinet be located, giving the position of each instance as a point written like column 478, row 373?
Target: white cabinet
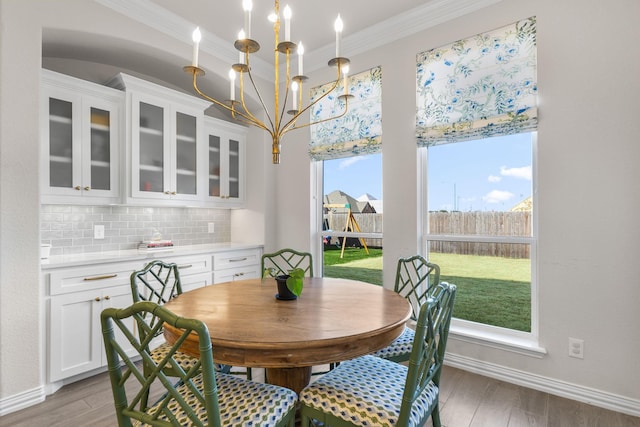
column 77, row 297
column 195, row 270
column 80, row 133
column 226, row 163
column 165, row 142
column 236, row 265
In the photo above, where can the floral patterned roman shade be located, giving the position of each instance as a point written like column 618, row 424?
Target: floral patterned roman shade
column 356, row 133
column 478, row 87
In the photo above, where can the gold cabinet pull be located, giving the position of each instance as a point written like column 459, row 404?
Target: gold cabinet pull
column 239, row 274
column 238, row 259
column 185, row 266
column 107, row 297
column 87, row 188
column 108, row 276
column 77, row 187
column 98, row 299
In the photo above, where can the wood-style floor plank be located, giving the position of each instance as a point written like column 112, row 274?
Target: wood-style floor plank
column 466, row 400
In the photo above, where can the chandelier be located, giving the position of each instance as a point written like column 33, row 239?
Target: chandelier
column 280, row 120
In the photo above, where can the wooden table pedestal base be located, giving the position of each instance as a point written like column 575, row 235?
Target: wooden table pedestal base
column 293, row 378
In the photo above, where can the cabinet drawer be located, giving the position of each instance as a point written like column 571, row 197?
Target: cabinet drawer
column 191, row 264
column 239, row 273
column 235, row 259
column 91, row 277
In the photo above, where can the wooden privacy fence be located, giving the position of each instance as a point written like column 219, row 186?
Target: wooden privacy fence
column 513, row 224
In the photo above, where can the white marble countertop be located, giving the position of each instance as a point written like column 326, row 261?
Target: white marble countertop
column 59, row 261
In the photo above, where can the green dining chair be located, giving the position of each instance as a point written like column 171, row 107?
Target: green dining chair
column 284, row 260
column 198, row 396
column 371, row 391
column 159, row 282
column 415, row 279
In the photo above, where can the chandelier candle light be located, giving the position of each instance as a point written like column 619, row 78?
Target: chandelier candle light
column 276, row 123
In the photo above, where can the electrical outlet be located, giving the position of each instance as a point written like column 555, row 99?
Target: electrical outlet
column 576, row 348
column 211, row 227
column 98, row 232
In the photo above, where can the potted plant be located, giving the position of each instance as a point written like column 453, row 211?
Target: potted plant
column 290, row 285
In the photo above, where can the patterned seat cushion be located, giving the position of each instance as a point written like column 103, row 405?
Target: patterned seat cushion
column 241, row 402
column 184, row 360
column 401, row 346
column 367, row 391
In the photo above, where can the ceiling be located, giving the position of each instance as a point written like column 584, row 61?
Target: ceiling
column 311, row 22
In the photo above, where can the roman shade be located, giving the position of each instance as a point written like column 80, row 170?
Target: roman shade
column 478, row 87
column 356, row 133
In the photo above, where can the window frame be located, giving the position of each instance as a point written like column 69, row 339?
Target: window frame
column 478, row 333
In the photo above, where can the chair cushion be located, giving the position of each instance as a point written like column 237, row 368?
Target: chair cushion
column 241, row 402
column 399, row 347
column 367, row 391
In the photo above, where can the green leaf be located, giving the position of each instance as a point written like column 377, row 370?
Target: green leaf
column 295, row 281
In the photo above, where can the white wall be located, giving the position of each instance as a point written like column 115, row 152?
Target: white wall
column 588, row 197
column 19, row 202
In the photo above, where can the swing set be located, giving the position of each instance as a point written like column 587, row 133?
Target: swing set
column 350, row 225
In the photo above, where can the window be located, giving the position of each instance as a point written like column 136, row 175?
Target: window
column 352, row 218
column 348, row 179
column 476, row 122
column 479, row 226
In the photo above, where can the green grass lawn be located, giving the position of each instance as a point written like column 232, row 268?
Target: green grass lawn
column 491, row 290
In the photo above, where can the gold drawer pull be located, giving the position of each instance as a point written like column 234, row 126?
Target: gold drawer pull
column 98, row 299
column 238, row 259
column 185, row 266
column 108, row 276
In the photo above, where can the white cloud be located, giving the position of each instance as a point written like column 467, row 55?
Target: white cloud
column 497, row 196
column 493, row 178
column 349, row 161
column 520, row 173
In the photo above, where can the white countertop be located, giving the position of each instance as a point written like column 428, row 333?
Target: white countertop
column 58, row 261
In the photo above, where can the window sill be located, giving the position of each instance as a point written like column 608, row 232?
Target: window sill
column 494, row 337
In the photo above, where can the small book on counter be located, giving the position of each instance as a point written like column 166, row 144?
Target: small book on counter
column 156, row 245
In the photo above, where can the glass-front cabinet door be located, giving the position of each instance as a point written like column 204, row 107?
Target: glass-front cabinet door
column 151, row 149
column 80, row 136
column 226, row 186
column 165, row 149
column 186, row 154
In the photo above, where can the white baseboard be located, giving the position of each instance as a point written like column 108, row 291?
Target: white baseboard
column 549, row 385
column 22, row 400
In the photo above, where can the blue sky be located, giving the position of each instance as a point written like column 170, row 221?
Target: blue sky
column 493, row 174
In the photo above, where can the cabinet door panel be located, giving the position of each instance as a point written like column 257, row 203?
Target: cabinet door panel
column 74, row 324
column 186, row 154
column 151, row 148
column 100, row 149
column 61, row 139
column 214, row 166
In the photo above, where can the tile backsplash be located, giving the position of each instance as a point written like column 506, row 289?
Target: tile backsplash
column 70, row 228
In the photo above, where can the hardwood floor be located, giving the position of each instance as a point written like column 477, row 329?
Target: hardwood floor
column 466, row 400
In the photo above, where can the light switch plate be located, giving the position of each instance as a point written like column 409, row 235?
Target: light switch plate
column 211, row 227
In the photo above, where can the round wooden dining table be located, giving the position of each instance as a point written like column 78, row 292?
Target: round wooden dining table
column 332, row 321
